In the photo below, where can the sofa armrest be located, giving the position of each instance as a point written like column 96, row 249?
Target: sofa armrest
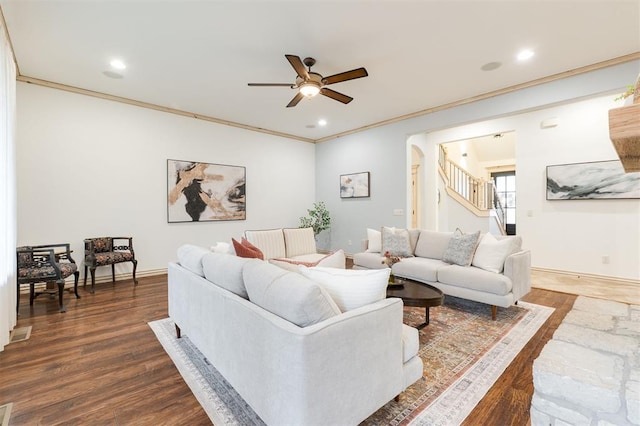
column 364, row 244
column 518, row 268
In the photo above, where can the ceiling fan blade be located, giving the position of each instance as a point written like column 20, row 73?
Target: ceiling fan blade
column 270, row 84
column 344, row 76
column 297, row 65
column 297, row 98
column 336, row 95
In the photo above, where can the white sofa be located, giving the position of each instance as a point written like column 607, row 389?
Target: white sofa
column 290, row 247
column 333, row 369
column 499, row 274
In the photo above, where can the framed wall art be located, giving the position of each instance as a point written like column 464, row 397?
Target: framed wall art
column 202, row 192
column 591, row 181
column 354, row 185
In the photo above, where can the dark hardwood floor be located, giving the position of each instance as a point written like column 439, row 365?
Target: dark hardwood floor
column 100, row 363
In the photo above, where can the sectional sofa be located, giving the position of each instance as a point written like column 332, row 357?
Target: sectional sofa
column 494, row 269
column 283, row 343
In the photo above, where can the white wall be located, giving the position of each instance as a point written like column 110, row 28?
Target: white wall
column 570, row 236
column 88, row 167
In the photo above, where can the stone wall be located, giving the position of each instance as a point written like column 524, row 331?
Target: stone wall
column 589, row 373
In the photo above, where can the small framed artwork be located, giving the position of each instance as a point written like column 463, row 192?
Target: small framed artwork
column 201, row 192
column 354, row 185
column 597, row 180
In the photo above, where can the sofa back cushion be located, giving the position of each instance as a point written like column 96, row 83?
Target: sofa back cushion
column 299, row 241
column 432, row 244
column 190, row 257
column 225, row 270
column 351, row 288
column 287, row 294
column 270, row 242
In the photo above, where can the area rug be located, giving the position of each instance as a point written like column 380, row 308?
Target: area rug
column 463, row 350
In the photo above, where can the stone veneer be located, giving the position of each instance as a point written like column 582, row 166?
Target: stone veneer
column 589, row 373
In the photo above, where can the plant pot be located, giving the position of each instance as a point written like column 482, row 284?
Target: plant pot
column 624, row 131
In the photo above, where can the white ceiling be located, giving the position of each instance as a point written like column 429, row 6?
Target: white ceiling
column 198, row 56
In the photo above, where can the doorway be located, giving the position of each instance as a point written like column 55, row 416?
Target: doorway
column 505, row 184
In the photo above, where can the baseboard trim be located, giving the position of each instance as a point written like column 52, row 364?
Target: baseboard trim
column 584, row 275
column 127, row 276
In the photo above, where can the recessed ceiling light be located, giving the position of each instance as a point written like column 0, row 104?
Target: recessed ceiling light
column 490, row 66
column 112, row 74
column 322, row 122
column 525, row 54
column 117, row 64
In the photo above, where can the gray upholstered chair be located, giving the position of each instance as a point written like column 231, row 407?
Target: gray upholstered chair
column 108, row 251
column 44, row 264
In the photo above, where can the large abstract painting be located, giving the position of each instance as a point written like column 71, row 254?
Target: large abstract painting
column 588, row 181
column 199, row 192
column 354, row 185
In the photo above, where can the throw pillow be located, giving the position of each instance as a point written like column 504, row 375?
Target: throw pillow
column 288, row 295
column 491, row 253
column 351, row 288
column 246, row 249
column 375, row 241
column 221, row 247
column 461, row 248
column 299, row 241
column 396, row 241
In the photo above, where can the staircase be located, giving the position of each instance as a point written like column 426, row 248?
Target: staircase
column 477, row 195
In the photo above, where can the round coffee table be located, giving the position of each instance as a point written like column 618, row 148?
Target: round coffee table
column 416, row 294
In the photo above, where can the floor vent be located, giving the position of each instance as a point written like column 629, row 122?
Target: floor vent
column 5, row 413
column 20, row 335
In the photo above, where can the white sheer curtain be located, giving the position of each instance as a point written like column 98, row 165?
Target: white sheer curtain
column 7, row 190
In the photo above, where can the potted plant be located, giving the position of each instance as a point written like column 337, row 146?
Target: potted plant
column 624, row 130
column 319, row 218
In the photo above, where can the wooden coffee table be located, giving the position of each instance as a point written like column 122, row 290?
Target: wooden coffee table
column 416, row 294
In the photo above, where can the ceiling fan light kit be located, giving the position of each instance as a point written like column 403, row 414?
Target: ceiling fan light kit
column 310, row 84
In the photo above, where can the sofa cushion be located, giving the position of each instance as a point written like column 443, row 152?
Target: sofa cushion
column 351, row 288
column 298, row 241
column 432, row 244
column 396, row 242
column 270, row 241
column 375, row 241
column 225, row 270
column 190, row 257
column 410, row 342
column 368, row 260
column 474, row 278
column 246, row 249
column 461, row 248
column 419, row 268
column 287, row 294
column 491, row 253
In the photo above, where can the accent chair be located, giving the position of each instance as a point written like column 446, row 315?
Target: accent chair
column 108, row 251
column 44, row 264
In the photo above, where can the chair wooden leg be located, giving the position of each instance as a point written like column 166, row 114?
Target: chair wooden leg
column 18, row 299
column 85, row 276
column 32, row 293
column 76, row 275
column 135, row 266
column 494, row 312
column 93, row 279
column 113, row 273
column 60, row 293
column 178, row 332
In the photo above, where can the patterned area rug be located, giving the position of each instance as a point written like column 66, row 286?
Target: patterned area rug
column 463, row 350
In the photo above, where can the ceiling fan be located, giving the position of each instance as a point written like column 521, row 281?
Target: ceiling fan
column 309, row 83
